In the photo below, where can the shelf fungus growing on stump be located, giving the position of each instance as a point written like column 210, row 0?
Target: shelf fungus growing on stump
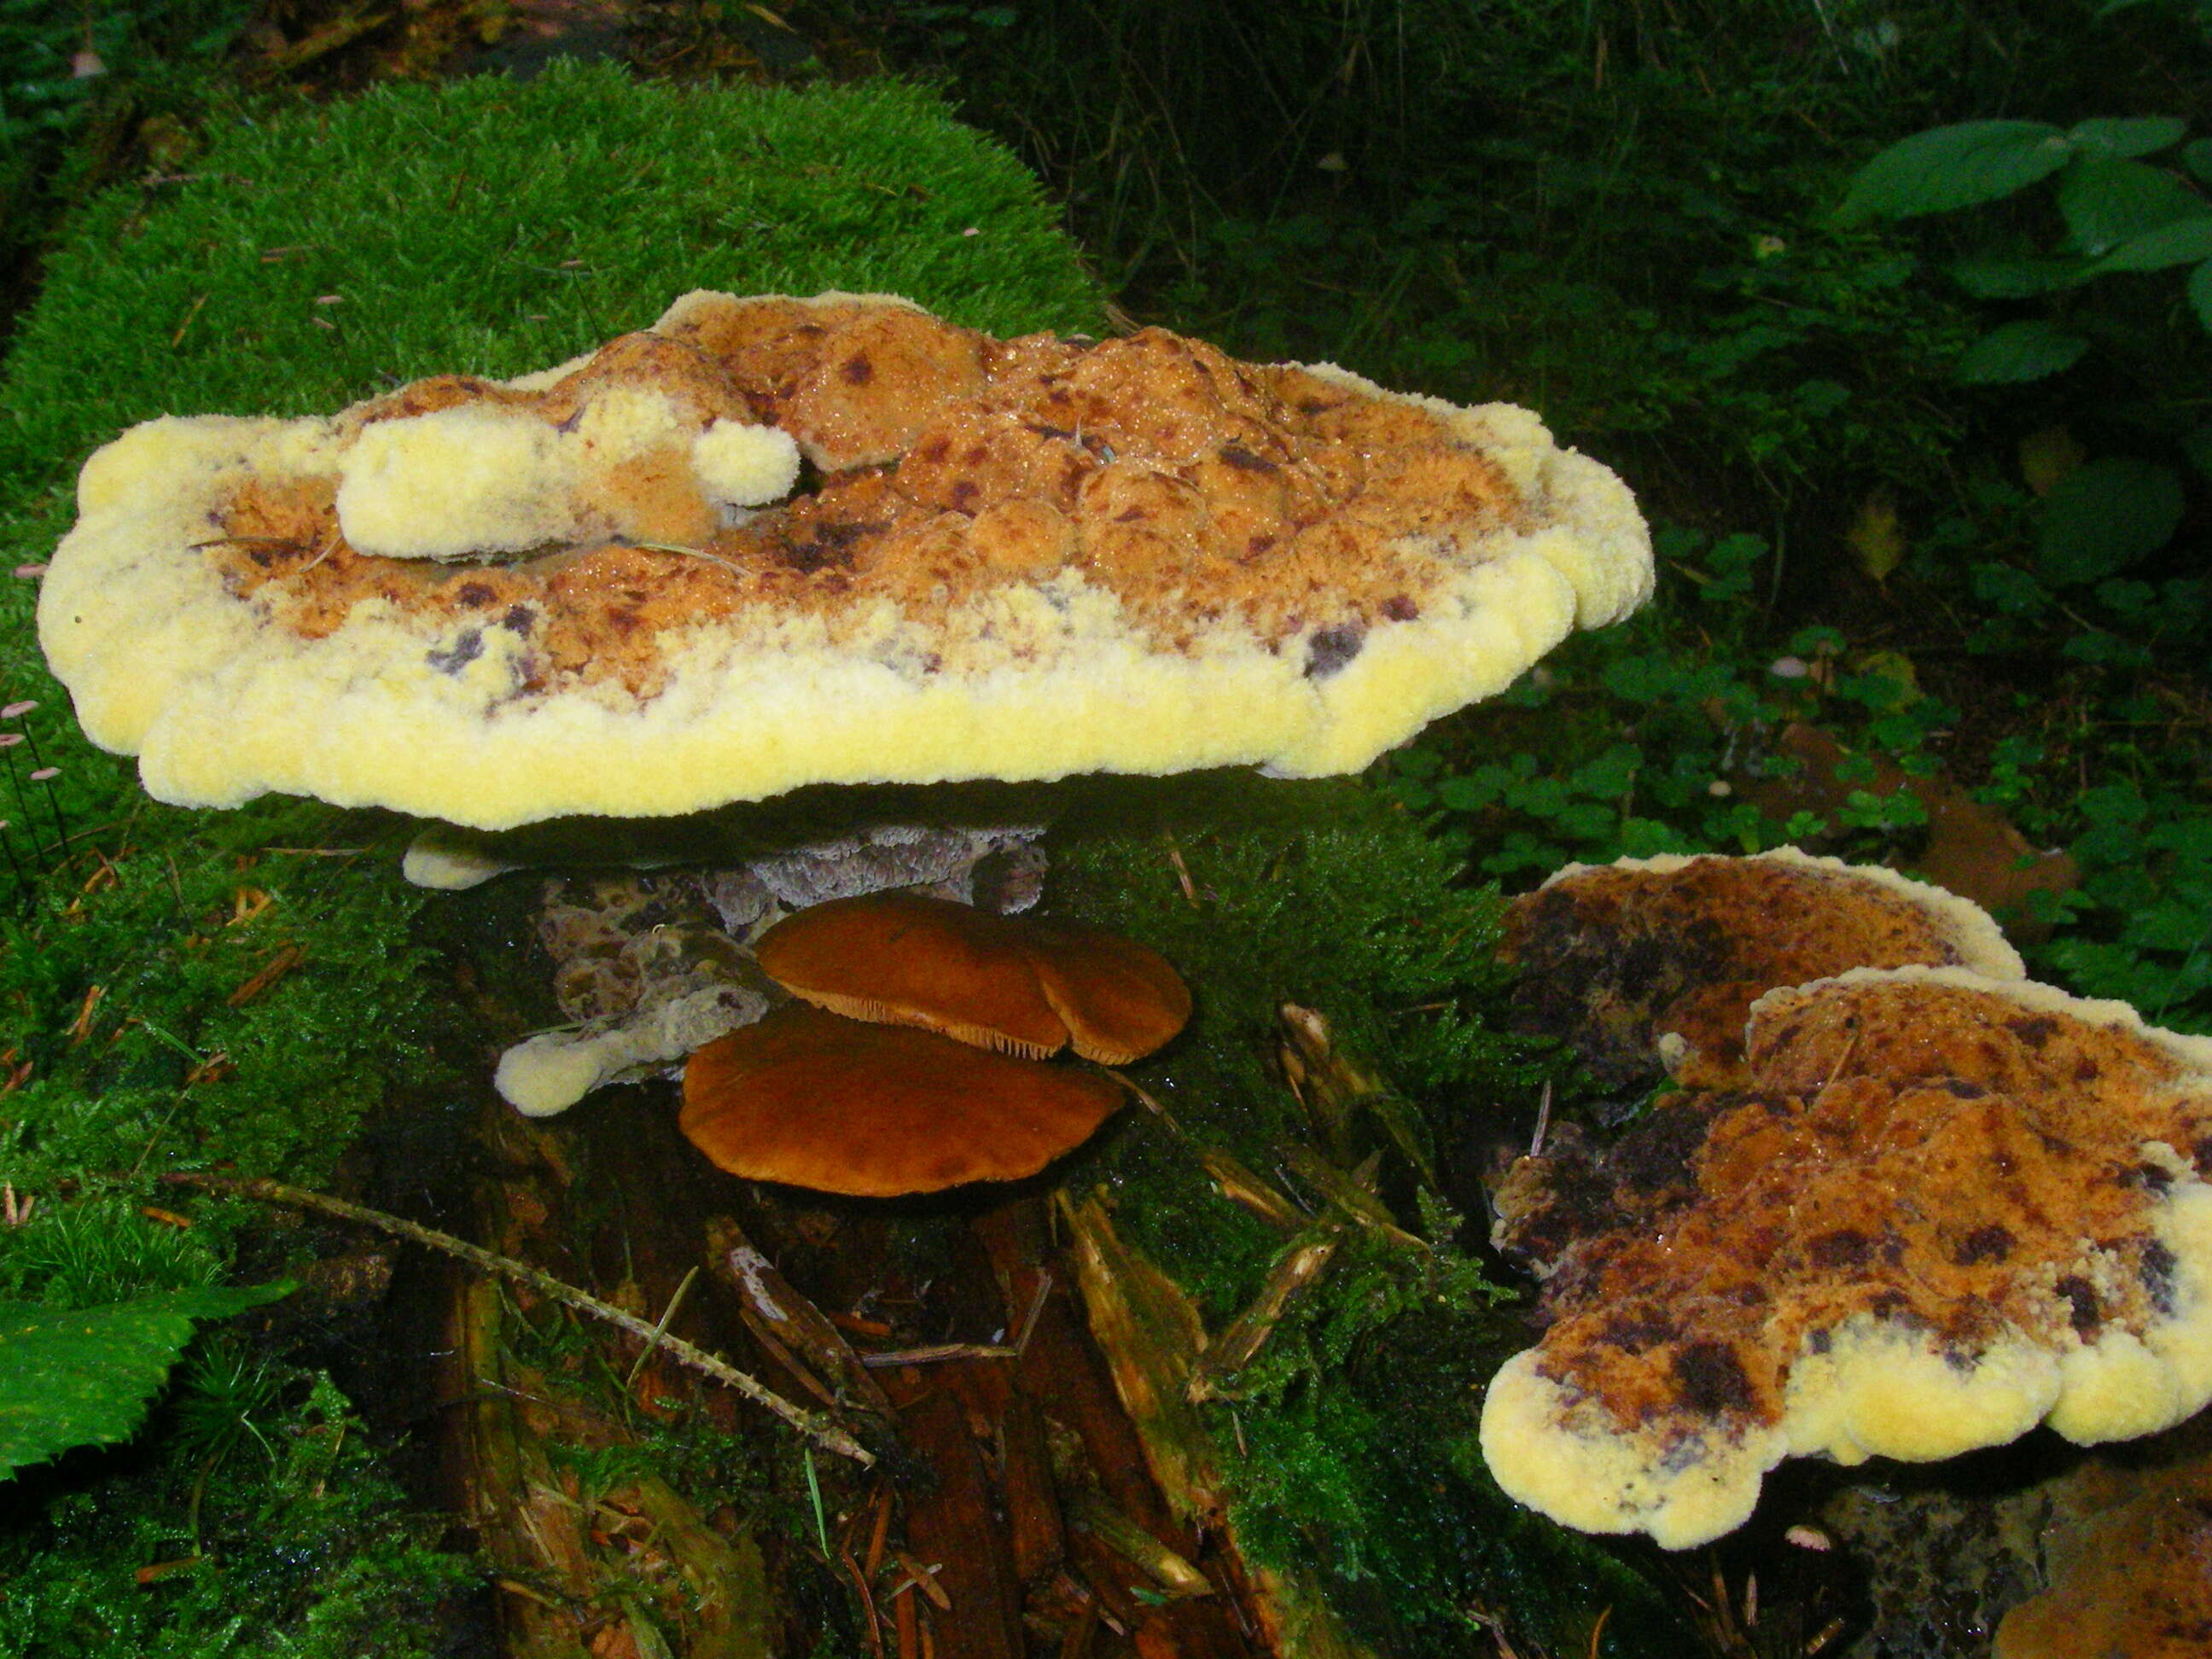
column 1935, row 1210
column 774, row 542
column 1660, row 958
column 915, row 1060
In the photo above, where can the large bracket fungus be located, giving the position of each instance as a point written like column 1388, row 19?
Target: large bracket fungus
column 1923, row 1210
column 774, row 542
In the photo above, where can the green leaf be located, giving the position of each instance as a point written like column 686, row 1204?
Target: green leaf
column 2128, row 135
column 2181, row 243
column 2196, row 157
column 1992, row 277
column 84, row 1377
column 2104, row 516
column 2020, row 351
column 2105, row 201
column 1955, row 166
column 2200, row 293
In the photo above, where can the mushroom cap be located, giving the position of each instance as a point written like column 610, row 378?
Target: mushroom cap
column 1663, row 957
column 1942, row 1209
column 813, row 1099
column 1028, row 988
column 575, row 593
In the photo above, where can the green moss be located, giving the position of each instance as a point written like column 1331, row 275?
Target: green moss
column 1355, row 1426
column 301, row 1554
column 1314, row 893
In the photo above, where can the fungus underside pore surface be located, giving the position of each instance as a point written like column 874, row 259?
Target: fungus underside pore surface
column 183, row 993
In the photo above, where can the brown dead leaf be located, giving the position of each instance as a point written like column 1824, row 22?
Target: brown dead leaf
column 1972, row 849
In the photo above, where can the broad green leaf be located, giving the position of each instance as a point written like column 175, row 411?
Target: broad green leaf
column 2104, row 516
column 84, row 1377
column 2196, row 157
column 1990, row 277
column 2196, row 443
column 2020, row 351
column 2105, row 202
column 1955, row 166
column 2181, row 243
column 1876, row 536
column 2200, row 293
column 2128, row 135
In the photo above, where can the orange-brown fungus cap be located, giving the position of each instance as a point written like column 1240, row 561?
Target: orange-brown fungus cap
column 1028, row 987
column 813, row 1099
column 1614, row 957
column 1944, row 1209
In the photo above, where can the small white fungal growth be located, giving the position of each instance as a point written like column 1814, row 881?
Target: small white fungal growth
column 740, row 466
column 482, row 477
column 457, row 481
column 546, row 1074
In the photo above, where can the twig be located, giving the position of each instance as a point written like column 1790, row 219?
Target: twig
column 660, row 1331
column 178, row 338
column 937, row 1353
column 824, row 1434
column 1036, row 1306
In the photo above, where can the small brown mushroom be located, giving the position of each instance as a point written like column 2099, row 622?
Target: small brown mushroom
column 813, row 1099
column 1028, row 988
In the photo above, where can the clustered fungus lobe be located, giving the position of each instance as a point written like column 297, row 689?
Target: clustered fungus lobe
column 1192, row 486
column 1909, row 1211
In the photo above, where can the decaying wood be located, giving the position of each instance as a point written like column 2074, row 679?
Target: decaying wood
column 1351, row 1194
column 1013, row 1514
column 955, row 1530
column 627, row 1568
column 1152, row 1336
column 1239, row 1185
column 1338, row 1089
column 827, row 1434
column 771, row 1304
column 1154, row 1339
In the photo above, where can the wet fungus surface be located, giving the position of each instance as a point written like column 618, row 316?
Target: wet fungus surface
column 775, row 541
column 813, row 1099
column 1627, row 958
column 914, row 1059
column 1940, row 1210
column 1007, row 982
